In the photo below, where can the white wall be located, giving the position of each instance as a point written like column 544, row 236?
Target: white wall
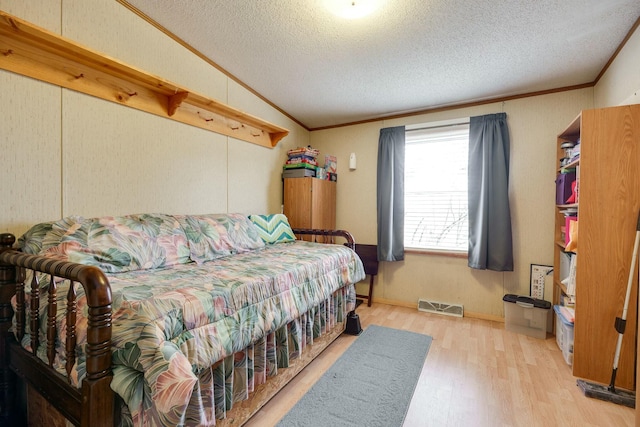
column 68, row 153
column 620, row 84
column 534, row 124
column 30, row 139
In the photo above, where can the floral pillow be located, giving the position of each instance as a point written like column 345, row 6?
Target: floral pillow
column 273, row 228
column 42, row 237
column 126, row 243
column 217, row 235
column 45, row 239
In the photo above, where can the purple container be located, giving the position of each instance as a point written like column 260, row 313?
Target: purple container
column 563, row 187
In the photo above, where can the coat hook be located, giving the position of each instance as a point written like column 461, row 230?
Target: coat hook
column 204, row 118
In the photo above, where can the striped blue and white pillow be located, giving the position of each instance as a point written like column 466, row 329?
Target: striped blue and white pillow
column 273, row 228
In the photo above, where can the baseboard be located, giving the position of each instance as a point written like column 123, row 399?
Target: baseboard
column 467, row 313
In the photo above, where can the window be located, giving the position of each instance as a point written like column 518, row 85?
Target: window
column 436, row 210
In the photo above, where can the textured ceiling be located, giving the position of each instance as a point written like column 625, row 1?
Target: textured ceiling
column 409, row 55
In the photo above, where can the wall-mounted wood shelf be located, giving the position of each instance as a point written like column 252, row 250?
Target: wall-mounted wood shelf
column 37, row 53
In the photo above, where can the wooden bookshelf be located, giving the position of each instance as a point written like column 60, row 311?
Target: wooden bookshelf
column 607, row 210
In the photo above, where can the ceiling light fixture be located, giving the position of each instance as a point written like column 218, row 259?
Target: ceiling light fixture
column 352, row 9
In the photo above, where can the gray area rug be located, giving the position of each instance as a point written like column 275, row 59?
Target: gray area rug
column 371, row 384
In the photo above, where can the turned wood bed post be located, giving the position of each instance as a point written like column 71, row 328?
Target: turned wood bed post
column 95, row 399
column 97, row 396
column 7, row 290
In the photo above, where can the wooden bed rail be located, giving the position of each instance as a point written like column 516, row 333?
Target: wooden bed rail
column 94, row 402
column 337, row 233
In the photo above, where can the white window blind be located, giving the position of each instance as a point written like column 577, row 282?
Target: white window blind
column 436, row 210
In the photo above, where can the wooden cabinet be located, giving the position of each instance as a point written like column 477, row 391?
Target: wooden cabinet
column 310, row 203
column 608, row 204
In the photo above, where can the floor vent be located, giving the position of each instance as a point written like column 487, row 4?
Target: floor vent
column 440, row 308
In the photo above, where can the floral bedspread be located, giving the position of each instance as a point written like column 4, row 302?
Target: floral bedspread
column 169, row 325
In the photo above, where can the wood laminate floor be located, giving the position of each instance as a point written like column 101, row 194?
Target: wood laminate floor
column 476, row 374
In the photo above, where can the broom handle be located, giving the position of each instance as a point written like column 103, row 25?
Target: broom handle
column 626, row 298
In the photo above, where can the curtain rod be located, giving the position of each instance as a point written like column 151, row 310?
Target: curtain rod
column 437, row 126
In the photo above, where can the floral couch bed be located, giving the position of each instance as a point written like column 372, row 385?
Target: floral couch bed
column 204, row 309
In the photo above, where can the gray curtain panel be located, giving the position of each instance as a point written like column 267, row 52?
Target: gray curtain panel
column 390, row 194
column 490, row 244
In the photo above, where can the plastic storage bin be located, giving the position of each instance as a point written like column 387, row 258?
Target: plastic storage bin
column 526, row 315
column 564, row 335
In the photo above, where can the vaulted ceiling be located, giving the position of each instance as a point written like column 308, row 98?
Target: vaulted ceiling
column 407, row 55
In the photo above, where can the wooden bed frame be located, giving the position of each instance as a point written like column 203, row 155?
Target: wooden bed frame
column 93, row 404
